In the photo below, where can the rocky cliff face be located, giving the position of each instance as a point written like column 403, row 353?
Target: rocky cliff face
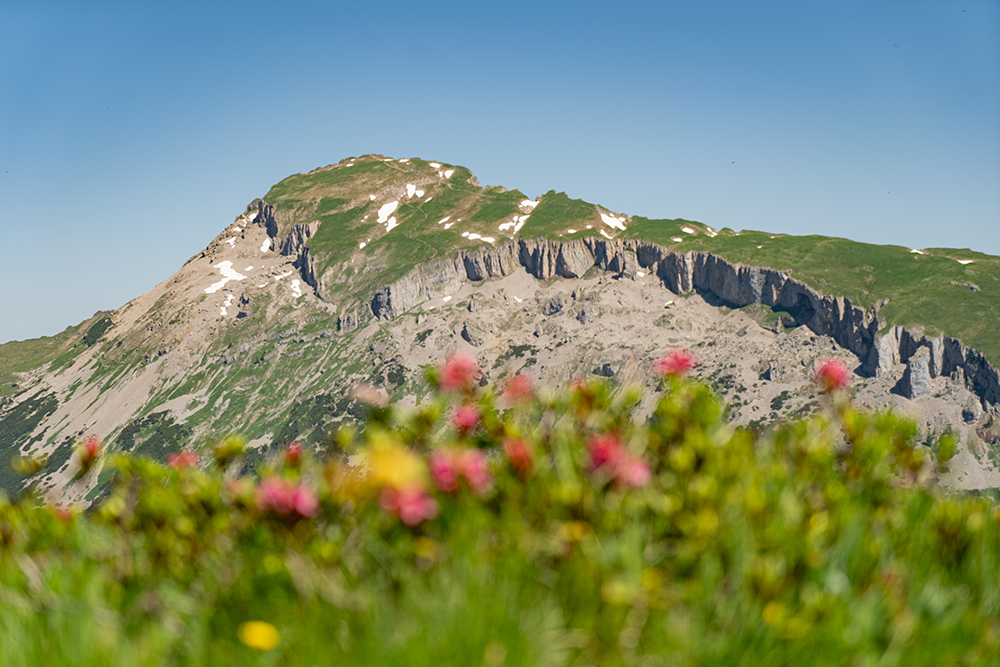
column 730, row 284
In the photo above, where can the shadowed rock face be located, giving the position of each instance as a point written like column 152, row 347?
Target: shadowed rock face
column 730, row 284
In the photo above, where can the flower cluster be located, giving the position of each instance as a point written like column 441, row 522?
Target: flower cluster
column 450, row 466
column 611, row 461
column 182, row 460
column 677, row 363
column 831, row 375
column 286, row 498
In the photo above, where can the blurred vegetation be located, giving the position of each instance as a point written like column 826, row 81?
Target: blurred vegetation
column 518, row 527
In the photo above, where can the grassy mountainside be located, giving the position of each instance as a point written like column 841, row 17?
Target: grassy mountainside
column 258, row 353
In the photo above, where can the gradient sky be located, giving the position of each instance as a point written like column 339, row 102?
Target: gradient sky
column 132, row 134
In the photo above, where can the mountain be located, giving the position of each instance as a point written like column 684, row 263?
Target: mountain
column 359, row 273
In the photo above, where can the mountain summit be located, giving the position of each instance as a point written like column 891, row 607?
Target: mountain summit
column 357, row 274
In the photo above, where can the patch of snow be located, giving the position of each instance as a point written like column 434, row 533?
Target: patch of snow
column 965, row 261
column 262, row 285
column 266, row 245
column 590, row 226
column 238, row 229
column 411, row 189
column 371, row 197
column 677, row 239
column 465, row 234
column 350, row 165
column 918, row 252
column 252, row 216
column 668, row 303
column 420, row 193
column 489, row 239
column 520, row 222
column 605, row 234
column 386, row 211
column 428, row 199
column 229, row 302
column 473, row 237
column 447, row 298
column 249, row 268
column 284, row 275
column 640, row 274
column 518, row 300
column 759, row 247
column 231, row 242
column 448, row 226
column 448, row 173
column 226, row 269
column 391, row 224
column 434, row 164
column 712, row 234
column 527, row 203
column 571, row 231
column 687, row 230
column 444, row 219
column 362, row 245
column 296, row 289
column 405, row 159
column 613, row 221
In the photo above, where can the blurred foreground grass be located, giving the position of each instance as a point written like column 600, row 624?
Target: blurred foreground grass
column 520, row 527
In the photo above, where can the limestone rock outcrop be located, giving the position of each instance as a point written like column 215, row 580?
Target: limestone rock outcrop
column 733, row 284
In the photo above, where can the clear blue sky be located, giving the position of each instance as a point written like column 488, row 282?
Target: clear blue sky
column 131, row 134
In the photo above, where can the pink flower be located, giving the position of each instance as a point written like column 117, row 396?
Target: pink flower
column 831, row 375
column 518, row 389
column 633, row 471
column 186, row 459
column 304, row 501
column 448, row 466
column 87, row 454
column 444, row 470
column 465, row 418
column 605, row 452
column 609, row 458
column 459, row 373
column 91, row 447
column 677, row 363
column 519, row 455
column 411, row 505
column 283, row 498
column 472, row 463
column 293, row 453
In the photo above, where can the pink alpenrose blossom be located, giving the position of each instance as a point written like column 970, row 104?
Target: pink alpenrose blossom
column 466, row 418
column 475, row 470
column 831, row 375
column 460, row 372
column 284, row 498
column 411, row 505
column 444, row 470
column 519, row 455
column 518, row 389
column 677, row 363
column 185, row 459
column 605, row 452
column 633, row 471
column 449, row 466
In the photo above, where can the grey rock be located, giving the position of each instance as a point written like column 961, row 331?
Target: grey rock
column 607, row 370
column 473, row 334
column 917, row 376
column 347, row 323
column 553, row 305
column 587, row 314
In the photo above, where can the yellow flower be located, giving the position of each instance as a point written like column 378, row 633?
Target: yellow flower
column 395, row 466
column 259, row 635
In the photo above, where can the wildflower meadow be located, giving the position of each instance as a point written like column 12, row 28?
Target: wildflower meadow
column 518, row 525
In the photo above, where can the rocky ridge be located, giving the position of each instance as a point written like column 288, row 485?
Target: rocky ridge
column 733, row 285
